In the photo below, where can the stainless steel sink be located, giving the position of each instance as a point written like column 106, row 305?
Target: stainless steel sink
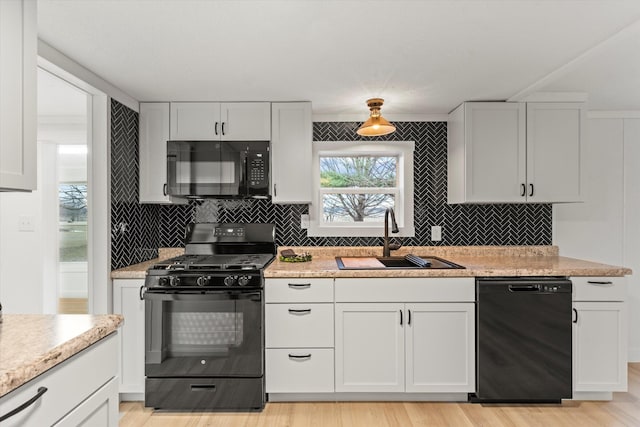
column 393, row 263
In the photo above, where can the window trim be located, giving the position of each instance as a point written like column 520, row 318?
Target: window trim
column 404, row 213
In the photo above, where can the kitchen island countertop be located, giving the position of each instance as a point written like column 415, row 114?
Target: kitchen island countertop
column 31, row 344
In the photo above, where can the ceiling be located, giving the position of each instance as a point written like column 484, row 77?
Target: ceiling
column 422, row 57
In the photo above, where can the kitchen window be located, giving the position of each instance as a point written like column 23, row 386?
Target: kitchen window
column 356, row 182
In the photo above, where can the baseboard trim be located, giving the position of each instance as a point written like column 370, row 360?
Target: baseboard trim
column 367, row 397
column 592, row 395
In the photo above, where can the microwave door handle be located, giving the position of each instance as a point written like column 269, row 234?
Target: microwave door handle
column 245, row 172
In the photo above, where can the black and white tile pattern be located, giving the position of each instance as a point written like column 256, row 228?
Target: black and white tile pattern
column 152, row 226
column 134, row 227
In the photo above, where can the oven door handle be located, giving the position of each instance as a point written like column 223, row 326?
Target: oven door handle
column 227, row 295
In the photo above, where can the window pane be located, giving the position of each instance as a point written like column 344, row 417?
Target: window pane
column 355, row 207
column 358, row 171
column 73, row 222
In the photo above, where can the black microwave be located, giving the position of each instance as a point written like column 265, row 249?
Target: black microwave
column 218, row 169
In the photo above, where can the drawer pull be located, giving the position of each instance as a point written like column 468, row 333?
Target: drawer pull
column 597, row 282
column 299, row 285
column 203, row 387
column 25, row 405
column 300, row 311
column 575, row 320
column 299, row 356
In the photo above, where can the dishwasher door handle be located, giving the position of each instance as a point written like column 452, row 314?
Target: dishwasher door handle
column 524, row 288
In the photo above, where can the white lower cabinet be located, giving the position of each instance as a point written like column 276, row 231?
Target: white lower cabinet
column 369, row 347
column 299, row 370
column 299, row 336
column 440, row 347
column 126, row 301
column 394, row 347
column 599, row 335
column 81, row 391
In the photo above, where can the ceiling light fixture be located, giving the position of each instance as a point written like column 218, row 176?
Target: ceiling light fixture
column 376, row 125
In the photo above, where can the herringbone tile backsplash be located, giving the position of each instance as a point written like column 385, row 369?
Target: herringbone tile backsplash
column 503, row 224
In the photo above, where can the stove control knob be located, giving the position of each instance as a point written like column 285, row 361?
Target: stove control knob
column 243, row 280
column 230, row 280
column 174, row 281
column 164, row 281
column 203, row 280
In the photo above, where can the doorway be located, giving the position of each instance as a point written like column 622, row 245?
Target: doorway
column 63, row 141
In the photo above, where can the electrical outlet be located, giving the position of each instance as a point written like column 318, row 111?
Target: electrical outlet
column 436, row 233
column 26, row 223
column 304, row 221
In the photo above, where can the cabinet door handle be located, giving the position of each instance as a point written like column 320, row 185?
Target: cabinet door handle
column 299, row 285
column 164, row 189
column 25, row 405
column 597, row 282
column 275, row 190
column 143, row 289
column 400, row 317
column 409, row 318
column 523, row 190
column 575, row 319
column 299, row 356
column 223, row 128
column 301, row 311
column 531, row 188
column 215, row 128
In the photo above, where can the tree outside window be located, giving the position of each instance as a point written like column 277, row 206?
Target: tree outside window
column 72, row 199
column 357, row 188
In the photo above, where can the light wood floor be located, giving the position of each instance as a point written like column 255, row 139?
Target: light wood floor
column 72, row 306
column 623, row 410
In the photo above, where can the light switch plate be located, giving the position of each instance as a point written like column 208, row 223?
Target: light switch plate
column 26, row 223
column 436, row 233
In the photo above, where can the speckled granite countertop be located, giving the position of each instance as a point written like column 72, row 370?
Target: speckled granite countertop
column 30, row 344
column 478, row 260
column 139, row 271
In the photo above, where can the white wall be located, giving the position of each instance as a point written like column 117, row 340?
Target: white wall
column 606, row 227
column 632, row 229
column 21, row 281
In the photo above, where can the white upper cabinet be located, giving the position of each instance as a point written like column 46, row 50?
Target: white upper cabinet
column 154, row 134
column 554, row 152
column 486, row 152
column 18, row 80
column 230, row 121
column 504, row 152
column 291, row 150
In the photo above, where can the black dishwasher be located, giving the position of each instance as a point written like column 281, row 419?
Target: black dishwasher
column 523, row 340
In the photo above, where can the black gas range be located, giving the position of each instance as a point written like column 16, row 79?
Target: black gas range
column 217, row 256
column 204, row 320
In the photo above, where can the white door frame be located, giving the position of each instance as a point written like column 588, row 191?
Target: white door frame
column 98, row 167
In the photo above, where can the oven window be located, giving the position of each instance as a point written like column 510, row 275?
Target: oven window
column 214, row 330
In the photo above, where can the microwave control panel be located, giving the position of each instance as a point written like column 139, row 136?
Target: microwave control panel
column 258, row 174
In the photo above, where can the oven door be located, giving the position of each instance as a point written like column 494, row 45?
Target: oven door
column 210, row 334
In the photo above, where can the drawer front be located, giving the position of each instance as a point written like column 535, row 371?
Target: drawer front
column 599, row 288
column 68, row 384
column 298, row 290
column 428, row 289
column 299, row 370
column 299, row 325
